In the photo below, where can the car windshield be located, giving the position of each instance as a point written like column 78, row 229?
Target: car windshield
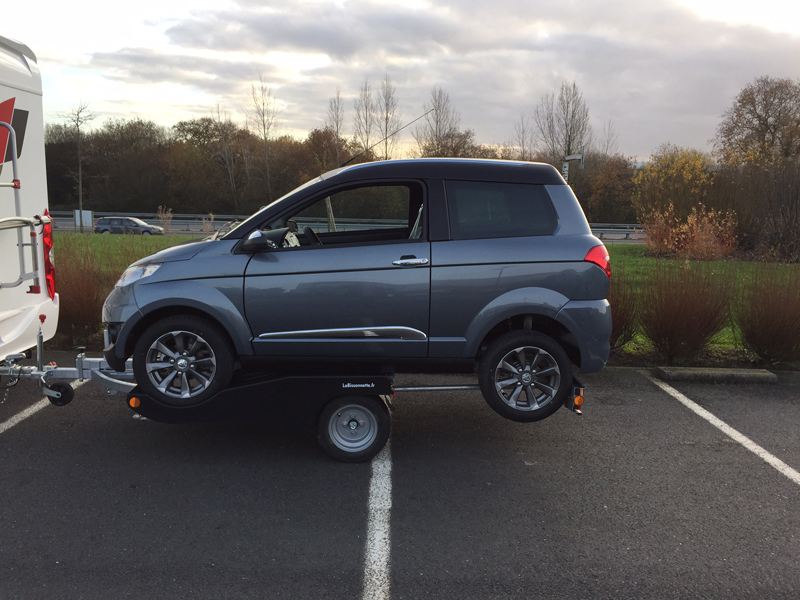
column 138, row 221
column 236, row 224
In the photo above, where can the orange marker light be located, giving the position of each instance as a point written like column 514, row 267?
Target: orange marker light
column 134, row 402
column 578, row 400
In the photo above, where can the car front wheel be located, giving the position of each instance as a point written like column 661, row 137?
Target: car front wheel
column 183, row 360
column 525, row 376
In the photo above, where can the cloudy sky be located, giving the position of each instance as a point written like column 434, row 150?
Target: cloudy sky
column 660, row 71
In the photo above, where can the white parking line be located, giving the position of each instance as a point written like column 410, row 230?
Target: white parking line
column 378, row 547
column 745, row 441
column 31, row 410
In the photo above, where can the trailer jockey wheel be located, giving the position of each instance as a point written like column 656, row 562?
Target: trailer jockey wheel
column 354, row 428
column 66, row 391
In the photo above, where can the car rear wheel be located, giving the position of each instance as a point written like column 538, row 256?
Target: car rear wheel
column 525, row 376
column 183, row 360
column 354, row 428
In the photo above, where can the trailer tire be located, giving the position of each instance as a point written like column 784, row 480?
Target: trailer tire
column 354, row 428
column 183, row 360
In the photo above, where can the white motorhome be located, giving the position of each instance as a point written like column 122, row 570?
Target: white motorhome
column 27, row 288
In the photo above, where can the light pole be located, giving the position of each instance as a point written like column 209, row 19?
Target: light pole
column 565, row 164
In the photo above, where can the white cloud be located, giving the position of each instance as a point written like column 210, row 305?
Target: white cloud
column 662, row 71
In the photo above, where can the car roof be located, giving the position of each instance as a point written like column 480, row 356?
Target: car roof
column 451, row 168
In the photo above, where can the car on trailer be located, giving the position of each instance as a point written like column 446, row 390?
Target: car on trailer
column 425, row 265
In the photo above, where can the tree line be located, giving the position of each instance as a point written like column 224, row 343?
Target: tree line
column 213, row 164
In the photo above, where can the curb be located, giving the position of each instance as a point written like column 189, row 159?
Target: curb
column 706, row 375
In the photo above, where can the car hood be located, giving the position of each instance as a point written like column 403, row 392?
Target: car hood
column 175, row 253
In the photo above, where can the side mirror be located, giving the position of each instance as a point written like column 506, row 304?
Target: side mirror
column 261, row 240
column 257, row 242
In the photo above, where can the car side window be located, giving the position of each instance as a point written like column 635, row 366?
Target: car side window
column 493, row 210
column 366, row 213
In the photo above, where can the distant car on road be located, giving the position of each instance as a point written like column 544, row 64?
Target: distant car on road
column 126, row 225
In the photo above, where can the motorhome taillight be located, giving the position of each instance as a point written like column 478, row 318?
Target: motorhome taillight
column 599, row 256
column 49, row 269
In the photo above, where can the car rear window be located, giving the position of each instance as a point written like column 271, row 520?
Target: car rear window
column 493, row 210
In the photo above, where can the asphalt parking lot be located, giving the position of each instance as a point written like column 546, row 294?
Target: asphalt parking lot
column 639, row 498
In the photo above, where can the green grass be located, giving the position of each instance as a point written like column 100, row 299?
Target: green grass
column 111, row 252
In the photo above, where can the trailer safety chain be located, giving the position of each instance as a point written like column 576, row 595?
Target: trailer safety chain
column 12, row 382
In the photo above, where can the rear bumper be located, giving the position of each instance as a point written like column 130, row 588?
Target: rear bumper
column 20, row 326
column 590, row 322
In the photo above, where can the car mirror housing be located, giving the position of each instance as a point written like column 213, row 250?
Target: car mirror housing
column 262, row 240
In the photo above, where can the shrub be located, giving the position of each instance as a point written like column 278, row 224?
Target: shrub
column 663, row 229
column 705, row 235
column 164, row 216
column 683, row 306
column 768, row 308
column 708, row 235
column 623, row 298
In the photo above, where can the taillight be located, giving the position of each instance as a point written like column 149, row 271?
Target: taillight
column 599, row 256
column 49, row 269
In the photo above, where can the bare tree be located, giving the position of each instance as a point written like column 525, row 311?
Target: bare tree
column 364, row 119
column 334, row 120
column 562, row 124
column 225, row 148
column 764, row 121
column 262, row 113
column 524, row 137
column 439, row 133
column 608, row 144
column 388, row 117
column 78, row 118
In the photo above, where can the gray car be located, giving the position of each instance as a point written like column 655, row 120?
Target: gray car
column 126, row 225
column 428, row 265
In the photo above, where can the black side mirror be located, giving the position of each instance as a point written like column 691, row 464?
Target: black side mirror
column 261, row 240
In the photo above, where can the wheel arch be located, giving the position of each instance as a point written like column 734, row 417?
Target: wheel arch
column 534, row 322
column 171, row 310
column 524, row 308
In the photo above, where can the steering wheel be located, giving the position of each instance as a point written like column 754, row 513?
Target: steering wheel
column 312, row 237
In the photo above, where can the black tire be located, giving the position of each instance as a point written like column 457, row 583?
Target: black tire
column 177, row 375
column 525, row 376
column 354, row 428
column 66, row 390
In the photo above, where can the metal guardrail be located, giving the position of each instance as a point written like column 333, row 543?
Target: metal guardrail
column 618, row 231
column 200, row 225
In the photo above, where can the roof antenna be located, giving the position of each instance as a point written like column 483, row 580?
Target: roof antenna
column 344, row 164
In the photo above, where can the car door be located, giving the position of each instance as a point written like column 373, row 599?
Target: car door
column 358, row 283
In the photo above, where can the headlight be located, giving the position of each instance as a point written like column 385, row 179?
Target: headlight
column 136, row 273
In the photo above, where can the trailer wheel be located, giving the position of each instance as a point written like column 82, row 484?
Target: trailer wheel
column 525, row 376
column 66, row 391
column 183, row 360
column 354, row 428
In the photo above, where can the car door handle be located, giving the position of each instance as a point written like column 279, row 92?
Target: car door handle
column 410, row 261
